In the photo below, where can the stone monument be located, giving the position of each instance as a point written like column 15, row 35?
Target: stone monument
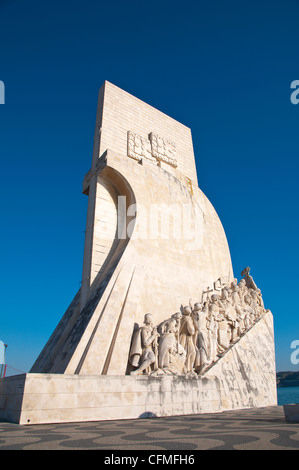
column 160, row 325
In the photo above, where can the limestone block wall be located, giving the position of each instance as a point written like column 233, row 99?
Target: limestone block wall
column 105, row 225
column 152, row 271
column 119, row 114
column 122, row 112
column 173, row 247
column 243, row 378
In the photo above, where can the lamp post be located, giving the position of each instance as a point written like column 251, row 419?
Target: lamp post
column 3, row 365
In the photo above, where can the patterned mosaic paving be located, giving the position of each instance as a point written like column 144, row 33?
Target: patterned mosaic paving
column 260, row 429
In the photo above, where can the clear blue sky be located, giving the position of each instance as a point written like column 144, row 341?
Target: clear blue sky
column 223, row 68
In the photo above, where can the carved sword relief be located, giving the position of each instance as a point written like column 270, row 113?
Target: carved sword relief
column 154, row 148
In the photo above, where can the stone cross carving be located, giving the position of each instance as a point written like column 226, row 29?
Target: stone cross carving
column 189, row 342
column 208, row 291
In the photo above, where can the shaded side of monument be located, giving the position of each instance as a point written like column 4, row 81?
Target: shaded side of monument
column 160, row 325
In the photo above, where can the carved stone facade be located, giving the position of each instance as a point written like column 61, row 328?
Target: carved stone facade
column 192, row 340
column 156, row 149
column 214, row 354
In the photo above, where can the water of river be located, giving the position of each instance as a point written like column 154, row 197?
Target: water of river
column 287, row 395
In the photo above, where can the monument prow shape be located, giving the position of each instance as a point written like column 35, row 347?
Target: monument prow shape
column 133, row 342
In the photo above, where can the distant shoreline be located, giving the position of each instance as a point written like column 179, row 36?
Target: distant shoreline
column 287, row 379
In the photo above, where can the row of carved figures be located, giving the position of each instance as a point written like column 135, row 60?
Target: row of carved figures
column 193, row 339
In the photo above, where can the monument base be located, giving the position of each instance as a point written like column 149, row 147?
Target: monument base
column 232, row 383
column 291, row 412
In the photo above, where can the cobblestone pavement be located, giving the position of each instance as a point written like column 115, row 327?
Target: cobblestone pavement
column 253, row 429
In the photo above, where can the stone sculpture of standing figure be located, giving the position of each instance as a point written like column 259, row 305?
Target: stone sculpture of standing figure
column 167, row 345
column 248, row 279
column 187, row 331
column 144, row 347
column 202, row 352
